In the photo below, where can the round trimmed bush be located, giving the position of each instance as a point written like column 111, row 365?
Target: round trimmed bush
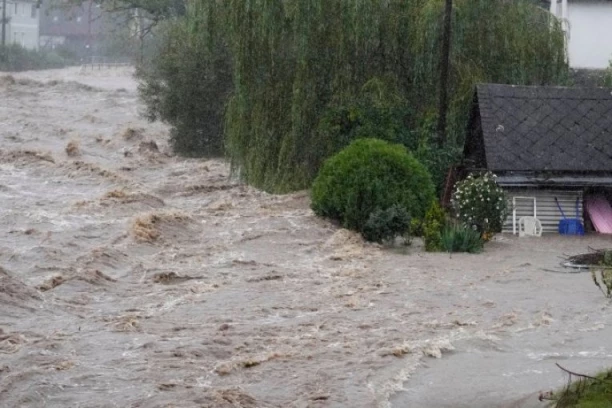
column 371, row 175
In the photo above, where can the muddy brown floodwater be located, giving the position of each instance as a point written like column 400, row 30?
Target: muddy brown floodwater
column 133, row 278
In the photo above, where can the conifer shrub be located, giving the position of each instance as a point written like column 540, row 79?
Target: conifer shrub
column 370, row 176
column 433, row 224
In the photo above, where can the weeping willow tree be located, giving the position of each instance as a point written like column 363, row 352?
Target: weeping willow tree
column 308, row 76
column 295, row 60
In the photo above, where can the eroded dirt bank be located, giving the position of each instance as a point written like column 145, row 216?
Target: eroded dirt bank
column 132, row 278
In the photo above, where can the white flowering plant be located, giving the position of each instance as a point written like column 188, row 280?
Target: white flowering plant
column 480, row 203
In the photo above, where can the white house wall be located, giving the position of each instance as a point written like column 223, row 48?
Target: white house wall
column 547, row 211
column 22, row 29
column 590, row 33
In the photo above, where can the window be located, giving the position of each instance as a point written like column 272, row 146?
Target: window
column 78, row 19
column 55, row 19
column 16, row 8
column 33, row 15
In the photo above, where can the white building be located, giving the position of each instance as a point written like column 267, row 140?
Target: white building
column 588, row 26
column 23, row 23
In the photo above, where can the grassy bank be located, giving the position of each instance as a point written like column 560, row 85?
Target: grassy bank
column 586, row 392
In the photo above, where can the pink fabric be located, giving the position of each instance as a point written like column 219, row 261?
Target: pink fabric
column 600, row 212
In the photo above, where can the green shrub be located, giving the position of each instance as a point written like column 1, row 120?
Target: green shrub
column 17, row 58
column 433, row 224
column 378, row 112
column 187, row 84
column 367, row 176
column 479, row 202
column 385, row 225
column 416, row 227
column 460, row 238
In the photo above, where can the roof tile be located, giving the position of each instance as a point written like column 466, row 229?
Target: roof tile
column 532, row 128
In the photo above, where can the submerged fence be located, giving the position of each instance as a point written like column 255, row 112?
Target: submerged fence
column 99, row 63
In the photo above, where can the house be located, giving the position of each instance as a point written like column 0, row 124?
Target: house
column 78, row 28
column 543, row 143
column 588, row 25
column 22, row 25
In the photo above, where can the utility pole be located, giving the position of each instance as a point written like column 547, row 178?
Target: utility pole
column 444, row 70
column 3, row 29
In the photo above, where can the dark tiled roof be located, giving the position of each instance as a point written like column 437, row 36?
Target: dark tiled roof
column 534, row 128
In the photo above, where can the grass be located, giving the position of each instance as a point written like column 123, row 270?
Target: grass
column 458, row 238
column 586, row 392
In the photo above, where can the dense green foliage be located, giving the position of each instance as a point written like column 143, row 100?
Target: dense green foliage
column 433, row 225
column 367, row 176
column 460, row 238
column 16, row 58
column 385, row 225
column 301, row 66
column 480, row 203
column 188, row 84
column 310, row 76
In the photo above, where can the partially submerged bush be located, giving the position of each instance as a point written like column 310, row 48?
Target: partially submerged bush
column 433, row 224
column 479, row 202
column 460, row 238
column 187, row 85
column 367, row 176
column 385, row 225
column 602, row 275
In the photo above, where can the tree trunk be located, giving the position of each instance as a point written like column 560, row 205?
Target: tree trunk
column 444, row 70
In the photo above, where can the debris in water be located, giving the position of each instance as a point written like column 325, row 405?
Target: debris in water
column 145, row 228
column 147, row 147
column 10, row 343
column 72, row 148
column 132, row 133
column 167, row 278
column 51, row 283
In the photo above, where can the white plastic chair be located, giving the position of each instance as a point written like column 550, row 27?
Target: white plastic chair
column 529, row 227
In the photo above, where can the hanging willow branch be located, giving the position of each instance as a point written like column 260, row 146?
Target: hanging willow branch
column 297, row 62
